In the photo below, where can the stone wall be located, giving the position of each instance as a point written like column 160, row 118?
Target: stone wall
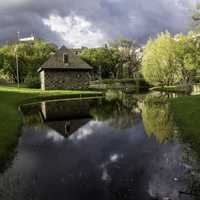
column 75, row 79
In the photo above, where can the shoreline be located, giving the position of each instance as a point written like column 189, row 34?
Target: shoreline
column 11, row 121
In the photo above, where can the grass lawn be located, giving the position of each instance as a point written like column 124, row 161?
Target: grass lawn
column 10, row 117
column 186, row 112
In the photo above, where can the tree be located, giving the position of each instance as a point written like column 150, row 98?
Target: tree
column 159, row 65
column 31, row 56
column 106, row 58
column 187, row 55
column 130, row 60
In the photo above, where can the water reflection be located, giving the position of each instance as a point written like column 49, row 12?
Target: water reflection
column 115, row 113
column 64, row 117
column 109, row 152
column 157, row 118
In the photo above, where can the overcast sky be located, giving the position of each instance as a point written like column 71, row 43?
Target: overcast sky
column 92, row 23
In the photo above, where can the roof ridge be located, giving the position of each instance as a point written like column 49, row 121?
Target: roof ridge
column 56, row 61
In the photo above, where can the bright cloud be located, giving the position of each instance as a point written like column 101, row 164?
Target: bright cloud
column 75, row 31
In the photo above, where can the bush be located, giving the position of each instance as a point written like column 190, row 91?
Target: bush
column 32, row 81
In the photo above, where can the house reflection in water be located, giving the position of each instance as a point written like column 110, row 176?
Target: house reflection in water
column 66, row 116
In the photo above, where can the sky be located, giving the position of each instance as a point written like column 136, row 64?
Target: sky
column 91, row 23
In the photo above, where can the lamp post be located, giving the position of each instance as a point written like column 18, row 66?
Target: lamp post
column 17, row 59
column 17, row 65
column 32, row 38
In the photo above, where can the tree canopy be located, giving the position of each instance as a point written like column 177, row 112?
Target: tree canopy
column 159, row 64
column 31, row 55
column 128, row 52
column 119, row 60
column 106, row 58
column 169, row 60
column 187, row 55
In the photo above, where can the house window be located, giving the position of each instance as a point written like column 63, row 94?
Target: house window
column 65, row 58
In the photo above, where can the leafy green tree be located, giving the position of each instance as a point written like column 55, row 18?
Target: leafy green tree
column 130, row 60
column 104, row 58
column 159, row 65
column 119, row 60
column 30, row 55
column 187, row 55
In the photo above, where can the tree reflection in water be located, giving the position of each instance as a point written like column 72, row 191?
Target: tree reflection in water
column 32, row 115
column 158, row 121
column 157, row 118
column 115, row 113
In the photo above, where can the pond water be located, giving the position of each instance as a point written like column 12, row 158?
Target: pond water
column 124, row 148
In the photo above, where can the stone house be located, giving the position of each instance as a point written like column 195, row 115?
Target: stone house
column 65, row 70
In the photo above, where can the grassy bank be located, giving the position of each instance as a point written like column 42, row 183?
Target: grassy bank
column 164, row 89
column 10, row 117
column 186, row 112
column 171, row 89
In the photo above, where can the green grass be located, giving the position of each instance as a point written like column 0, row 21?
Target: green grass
column 168, row 89
column 10, row 117
column 164, row 88
column 172, row 89
column 186, row 111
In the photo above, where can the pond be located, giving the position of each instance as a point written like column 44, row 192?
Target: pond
column 115, row 148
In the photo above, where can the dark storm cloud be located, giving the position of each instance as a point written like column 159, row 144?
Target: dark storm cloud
column 135, row 19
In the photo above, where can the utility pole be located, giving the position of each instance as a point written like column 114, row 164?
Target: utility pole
column 17, row 59
column 17, row 66
column 16, row 55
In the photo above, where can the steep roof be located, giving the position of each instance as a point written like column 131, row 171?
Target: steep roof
column 56, row 61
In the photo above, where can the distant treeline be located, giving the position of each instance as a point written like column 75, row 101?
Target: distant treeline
column 117, row 60
column 30, row 56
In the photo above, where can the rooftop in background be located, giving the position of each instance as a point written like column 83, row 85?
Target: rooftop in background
column 32, row 38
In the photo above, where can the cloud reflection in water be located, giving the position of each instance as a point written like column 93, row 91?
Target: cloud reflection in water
column 56, row 137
